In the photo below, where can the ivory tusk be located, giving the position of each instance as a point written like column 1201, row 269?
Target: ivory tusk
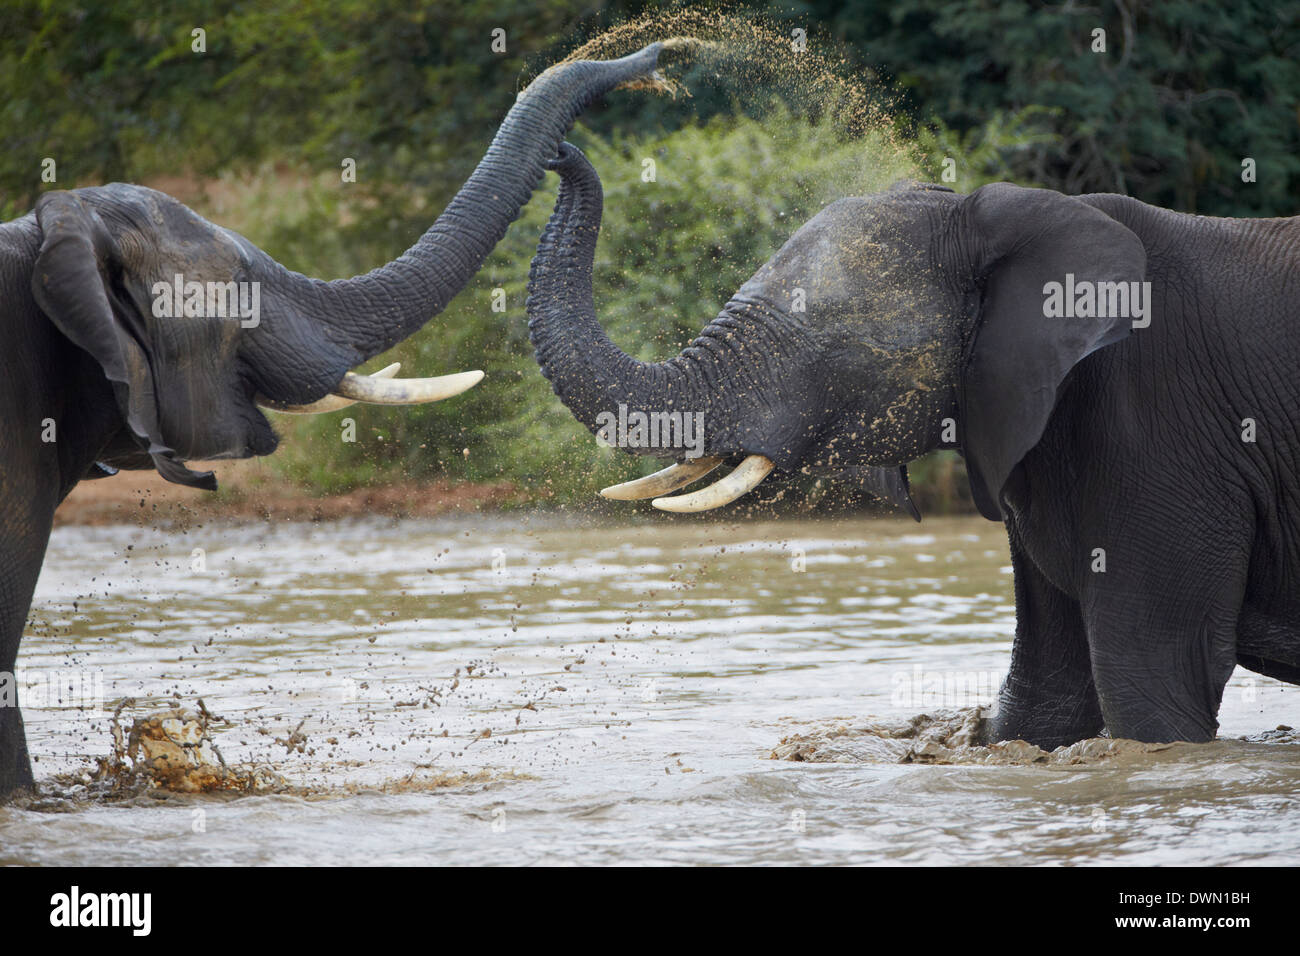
column 662, row 482
column 722, row 492
column 405, row 391
column 332, row 402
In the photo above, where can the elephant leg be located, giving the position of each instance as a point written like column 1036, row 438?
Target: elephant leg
column 1162, row 631
column 1164, row 684
column 15, row 765
column 1048, row 697
column 15, row 600
column 1268, row 645
column 21, row 555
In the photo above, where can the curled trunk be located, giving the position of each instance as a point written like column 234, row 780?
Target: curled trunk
column 725, row 373
column 589, row 373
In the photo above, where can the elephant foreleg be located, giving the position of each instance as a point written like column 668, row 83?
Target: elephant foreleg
column 15, row 765
column 1162, row 630
column 1048, row 697
column 23, row 538
column 15, row 598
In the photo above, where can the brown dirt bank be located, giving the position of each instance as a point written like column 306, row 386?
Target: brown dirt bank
column 250, row 490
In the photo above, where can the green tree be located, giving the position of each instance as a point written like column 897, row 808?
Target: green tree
column 1184, row 93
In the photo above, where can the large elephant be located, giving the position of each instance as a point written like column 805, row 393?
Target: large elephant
column 1123, row 382
column 140, row 335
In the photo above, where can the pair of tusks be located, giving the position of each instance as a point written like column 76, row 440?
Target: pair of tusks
column 722, row 492
column 381, row 388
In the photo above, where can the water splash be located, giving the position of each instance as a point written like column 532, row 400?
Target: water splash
column 954, row 737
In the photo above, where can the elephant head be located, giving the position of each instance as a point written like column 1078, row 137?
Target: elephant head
column 886, row 326
column 193, row 326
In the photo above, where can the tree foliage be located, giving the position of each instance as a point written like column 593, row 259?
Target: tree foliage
column 1184, row 92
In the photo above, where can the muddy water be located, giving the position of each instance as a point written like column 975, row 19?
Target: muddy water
column 518, row 690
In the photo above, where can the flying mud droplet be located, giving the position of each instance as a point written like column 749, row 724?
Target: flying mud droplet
column 751, row 58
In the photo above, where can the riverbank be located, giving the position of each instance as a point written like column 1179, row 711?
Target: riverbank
column 253, row 490
column 257, row 490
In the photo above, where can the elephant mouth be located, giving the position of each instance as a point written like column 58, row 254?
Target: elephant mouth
column 739, row 482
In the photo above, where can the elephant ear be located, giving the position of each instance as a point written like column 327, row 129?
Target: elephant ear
column 71, row 285
column 1018, row 357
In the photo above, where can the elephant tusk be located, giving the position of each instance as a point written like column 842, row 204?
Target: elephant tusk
column 722, row 492
column 662, row 482
column 405, row 391
column 332, row 402
column 383, row 388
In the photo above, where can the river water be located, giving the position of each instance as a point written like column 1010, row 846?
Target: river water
column 518, row 689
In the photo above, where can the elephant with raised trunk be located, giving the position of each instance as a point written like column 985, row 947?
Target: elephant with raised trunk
column 1122, row 381
column 127, row 346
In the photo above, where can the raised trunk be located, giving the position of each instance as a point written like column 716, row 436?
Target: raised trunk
column 591, row 375
column 368, row 314
column 726, row 373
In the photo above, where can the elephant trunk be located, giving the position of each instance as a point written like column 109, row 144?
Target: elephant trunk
column 731, row 380
column 368, row 314
column 592, row 376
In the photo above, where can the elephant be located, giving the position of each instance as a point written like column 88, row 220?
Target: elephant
column 142, row 335
column 1120, row 379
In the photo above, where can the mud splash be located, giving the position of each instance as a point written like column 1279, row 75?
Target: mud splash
column 755, row 56
column 172, row 754
column 165, row 752
column 771, row 69
column 951, row 737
